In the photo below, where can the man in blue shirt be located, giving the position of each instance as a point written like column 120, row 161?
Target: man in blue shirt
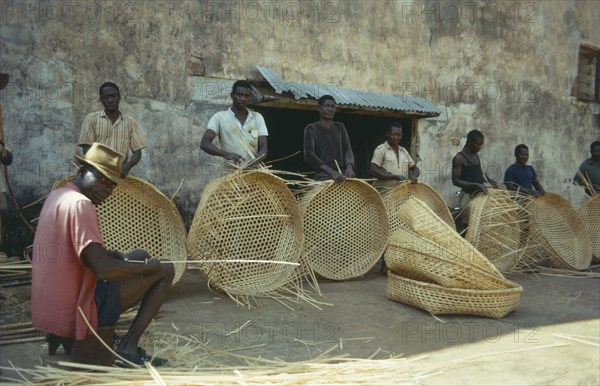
column 522, row 177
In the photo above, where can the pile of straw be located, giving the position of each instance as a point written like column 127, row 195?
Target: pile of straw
column 138, row 216
column 434, row 268
column 495, row 228
column 346, row 228
column 250, row 222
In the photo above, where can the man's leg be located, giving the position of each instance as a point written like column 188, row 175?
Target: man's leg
column 152, row 291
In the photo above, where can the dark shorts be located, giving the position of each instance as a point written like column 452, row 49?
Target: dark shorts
column 108, row 302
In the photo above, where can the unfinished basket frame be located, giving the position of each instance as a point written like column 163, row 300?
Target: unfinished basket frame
column 495, row 228
column 346, row 228
column 394, row 198
column 436, row 299
column 560, row 232
column 247, row 215
column 139, row 216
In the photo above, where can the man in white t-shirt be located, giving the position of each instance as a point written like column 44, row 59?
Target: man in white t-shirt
column 391, row 162
column 242, row 133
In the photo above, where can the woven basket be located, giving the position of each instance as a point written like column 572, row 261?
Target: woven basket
column 421, row 219
column 435, row 299
column 407, row 252
column 394, row 198
column 495, row 228
column 138, row 216
column 345, row 226
column 590, row 215
column 247, row 216
column 560, row 231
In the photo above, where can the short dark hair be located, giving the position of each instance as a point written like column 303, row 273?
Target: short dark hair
column 520, row 147
column 107, row 85
column 393, row 124
column 594, row 144
column 474, row 135
column 326, row 98
column 242, row 84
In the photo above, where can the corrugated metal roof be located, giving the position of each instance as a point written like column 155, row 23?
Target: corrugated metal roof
column 348, row 96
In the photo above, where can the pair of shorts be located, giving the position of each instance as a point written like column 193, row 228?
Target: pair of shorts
column 108, row 302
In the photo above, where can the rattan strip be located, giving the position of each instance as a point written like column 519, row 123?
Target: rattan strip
column 139, row 216
column 590, row 215
column 427, row 224
column 247, row 216
column 408, row 252
column 394, row 198
column 437, row 299
column 560, row 231
column 345, row 226
column 495, row 228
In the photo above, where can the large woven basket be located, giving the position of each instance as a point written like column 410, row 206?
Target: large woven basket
column 559, row 230
column 408, row 252
column 345, row 226
column 394, row 198
column 590, row 215
column 138, row 216
column 436, row 299
column 421, row 219
column 495, row 228
column 247, row 216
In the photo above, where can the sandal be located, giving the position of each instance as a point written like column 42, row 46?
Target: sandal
column 140, row 359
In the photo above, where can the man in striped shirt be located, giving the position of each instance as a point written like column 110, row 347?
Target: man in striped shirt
column 113, row 129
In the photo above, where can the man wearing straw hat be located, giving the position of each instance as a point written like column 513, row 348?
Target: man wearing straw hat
column 588, row 175
column 391, row 163
column 242, row 133
column 522, row 177
column 113, row 129
column 75, row 280
column 468, row 174
column 327, row 145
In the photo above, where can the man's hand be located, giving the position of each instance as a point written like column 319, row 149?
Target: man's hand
column 118, row 255
column 236, row 158
column 481, row 187
column 413, row 180
column 337, row 176
column 400, row 178
column 349, row 172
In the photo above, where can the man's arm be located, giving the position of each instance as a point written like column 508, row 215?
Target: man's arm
column 538, row 187
column 382, row 174
column 136, row 156
column 6, row 156
column 107, row 266
column 457, row 163
column 348, row 154
column 262, row 151
column 413, row 173
column 207, row 145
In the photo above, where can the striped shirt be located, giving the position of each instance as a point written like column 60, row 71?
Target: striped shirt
column 121, row 136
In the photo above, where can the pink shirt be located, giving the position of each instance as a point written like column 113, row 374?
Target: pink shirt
column 60, row 281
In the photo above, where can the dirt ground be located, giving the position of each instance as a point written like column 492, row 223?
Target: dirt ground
column 553, row 337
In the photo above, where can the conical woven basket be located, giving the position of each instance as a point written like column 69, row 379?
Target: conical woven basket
column 421, row 219
column 345, row 226
column 408, row 252
column 394, row 198
column 560, row 231
column 590, row 215
column 247, row 216
column 138, row 216
column 495, row 228
column 436, row 299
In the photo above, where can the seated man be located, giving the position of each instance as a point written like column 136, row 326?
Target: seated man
column 522, row 177
column 73, row 271
column 327, row 145
column 391, row 162
column 588, row 175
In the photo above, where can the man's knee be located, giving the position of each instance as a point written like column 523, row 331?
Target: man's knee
column 168, row 271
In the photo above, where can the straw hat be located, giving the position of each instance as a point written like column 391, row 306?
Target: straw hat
column 106, row 160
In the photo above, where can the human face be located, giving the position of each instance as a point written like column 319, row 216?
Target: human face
column 241, row 97
column 327, row 109
column 595, row 152
column 475, row 146
column 522, row 156
column 110, row 97
column 394, row 136
column 95, row 185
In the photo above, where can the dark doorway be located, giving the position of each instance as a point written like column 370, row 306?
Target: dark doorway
column 286, row 132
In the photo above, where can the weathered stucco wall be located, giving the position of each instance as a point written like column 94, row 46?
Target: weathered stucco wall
column 504, row 67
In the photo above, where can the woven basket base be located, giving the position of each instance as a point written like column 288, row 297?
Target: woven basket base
column 590, row 215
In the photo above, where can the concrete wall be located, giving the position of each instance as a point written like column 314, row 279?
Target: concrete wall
column 504, row 67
